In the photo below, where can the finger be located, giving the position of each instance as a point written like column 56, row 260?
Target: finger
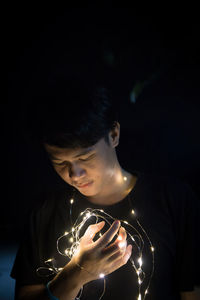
column 92, row 230
column 118, row 259
column 122, row 258
column 108, row 235
column 119, row 244
column 127, row 254
column 110, row 250
column 121, row 237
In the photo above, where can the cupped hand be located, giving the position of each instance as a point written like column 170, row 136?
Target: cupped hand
column 102, row 256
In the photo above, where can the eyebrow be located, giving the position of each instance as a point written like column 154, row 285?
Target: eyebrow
column 84, row 152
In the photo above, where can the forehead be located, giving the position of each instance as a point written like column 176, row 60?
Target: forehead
column 55, row 152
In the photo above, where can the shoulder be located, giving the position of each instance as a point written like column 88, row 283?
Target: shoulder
column 50, row 205
column 170, row 191
column 169, row 184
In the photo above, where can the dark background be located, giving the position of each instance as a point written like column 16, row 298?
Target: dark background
column 154, row 55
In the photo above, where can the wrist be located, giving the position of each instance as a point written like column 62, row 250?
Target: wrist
column 67, row 283
column 77, row 272
column 50, row 295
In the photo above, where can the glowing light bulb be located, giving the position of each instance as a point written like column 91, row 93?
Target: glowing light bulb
column 139, row 297
column 119, row 238
column 88, row 215
column 125, row 178
column 66, row 251
column 66, row 233
column 133, row 239
column 121, row 244
column 139, row 281
column 73, row 229
column 146, row 292
column 101, row 275
column 138, row 271
column 132, row 212
column 71, row 201
column 152, row 249
column 140, row 261
column 125, row 222
column 71, row 240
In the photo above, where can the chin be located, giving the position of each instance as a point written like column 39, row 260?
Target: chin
column 87, row 193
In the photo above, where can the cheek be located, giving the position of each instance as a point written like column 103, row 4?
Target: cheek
column 100, row 170
column 63, row 173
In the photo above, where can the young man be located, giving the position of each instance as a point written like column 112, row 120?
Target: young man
column 143, row 243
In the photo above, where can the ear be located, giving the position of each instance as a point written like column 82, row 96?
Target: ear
column 114, row 135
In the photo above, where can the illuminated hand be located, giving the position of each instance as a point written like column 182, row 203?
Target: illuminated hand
column 97, row 258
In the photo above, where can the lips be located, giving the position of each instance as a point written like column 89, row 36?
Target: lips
column 84, row 184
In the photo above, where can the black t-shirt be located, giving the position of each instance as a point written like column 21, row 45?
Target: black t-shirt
column 166, row 217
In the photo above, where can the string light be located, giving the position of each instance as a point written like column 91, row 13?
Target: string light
column 140, row 261
column 121, row 244
column 75, row 241
column 75, row 236
column 119, row 238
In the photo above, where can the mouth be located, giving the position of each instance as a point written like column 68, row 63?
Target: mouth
column 85, row 185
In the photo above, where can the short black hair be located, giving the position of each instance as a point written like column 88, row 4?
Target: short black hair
column 71, row 113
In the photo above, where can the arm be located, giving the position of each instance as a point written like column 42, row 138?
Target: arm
column 91, row 259
column 65, row 285
column 194, row 295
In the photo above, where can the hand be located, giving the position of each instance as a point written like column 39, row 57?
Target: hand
column 97, row 257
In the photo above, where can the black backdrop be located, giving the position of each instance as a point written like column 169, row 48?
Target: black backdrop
column 156, row 56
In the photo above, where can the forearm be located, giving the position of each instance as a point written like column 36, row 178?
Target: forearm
column 65, row 286
column 195, row 295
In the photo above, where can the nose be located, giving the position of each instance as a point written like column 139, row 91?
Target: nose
column 76, row 172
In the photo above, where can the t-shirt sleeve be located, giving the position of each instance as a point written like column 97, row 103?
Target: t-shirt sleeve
column 38, row 244
column 188, row 247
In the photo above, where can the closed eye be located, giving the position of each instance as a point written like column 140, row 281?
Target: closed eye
column 80, row 159
column 88, row 158
column 60, row 164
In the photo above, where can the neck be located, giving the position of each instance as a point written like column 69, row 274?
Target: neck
column 116, row 189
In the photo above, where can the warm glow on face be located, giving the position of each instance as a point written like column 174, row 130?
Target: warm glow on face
column 99, row 168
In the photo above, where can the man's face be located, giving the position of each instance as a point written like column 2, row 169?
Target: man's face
column 89, row 170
